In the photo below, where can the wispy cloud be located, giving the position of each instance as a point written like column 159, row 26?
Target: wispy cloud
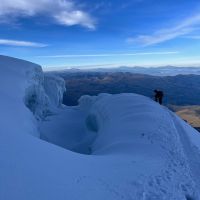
column 21, row 43
column 194, row 37
column 185, row 27
column 111, row 55
column 64, row 12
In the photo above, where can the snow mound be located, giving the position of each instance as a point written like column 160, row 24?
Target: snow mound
column 138, row 149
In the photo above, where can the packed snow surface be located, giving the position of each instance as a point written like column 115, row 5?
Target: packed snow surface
column 111, row 147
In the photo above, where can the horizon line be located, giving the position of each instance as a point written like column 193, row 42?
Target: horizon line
column 114, row 66
column 110, row 54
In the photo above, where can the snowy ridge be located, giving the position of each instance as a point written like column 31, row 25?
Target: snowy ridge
column 161, row 136
column 15, row 77
column 114, row 147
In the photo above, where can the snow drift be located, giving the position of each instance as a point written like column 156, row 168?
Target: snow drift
column 109, row 147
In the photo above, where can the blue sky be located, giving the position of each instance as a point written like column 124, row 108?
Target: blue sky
column 101, row 33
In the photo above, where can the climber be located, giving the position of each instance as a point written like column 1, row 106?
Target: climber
column 158, row 96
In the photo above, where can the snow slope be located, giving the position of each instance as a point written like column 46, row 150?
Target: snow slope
column 110, row 147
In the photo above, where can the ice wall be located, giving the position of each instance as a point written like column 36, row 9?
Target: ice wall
column 23, row 85
column 44, row 94
column 54, row 87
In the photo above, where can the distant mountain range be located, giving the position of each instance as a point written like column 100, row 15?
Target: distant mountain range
column 155, row 71
column 178, row 89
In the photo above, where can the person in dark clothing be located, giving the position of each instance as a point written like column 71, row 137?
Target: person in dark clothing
column 159, row 96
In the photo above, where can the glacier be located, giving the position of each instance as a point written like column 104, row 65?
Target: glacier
column 112, row 147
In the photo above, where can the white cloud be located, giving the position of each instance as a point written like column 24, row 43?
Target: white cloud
column 21, row 43
column 112, row 55
column 64, row 12
column 75, row 17
column 185, row 27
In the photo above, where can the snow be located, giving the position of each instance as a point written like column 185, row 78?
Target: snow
column 110, row 147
